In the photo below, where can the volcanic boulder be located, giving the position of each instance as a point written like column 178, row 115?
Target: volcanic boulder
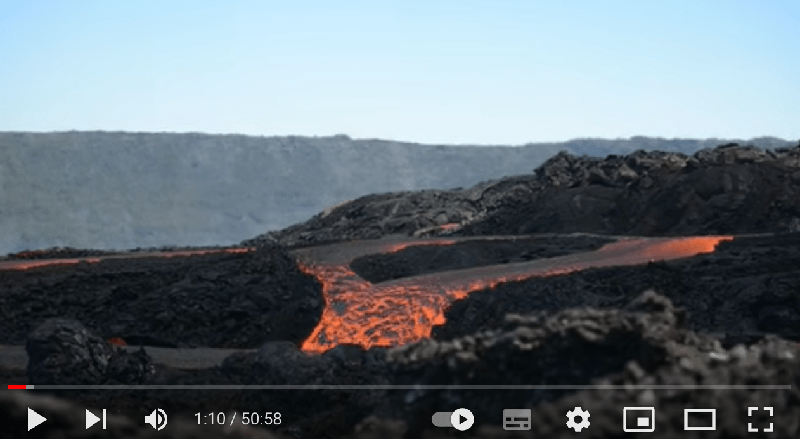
column 63, row 351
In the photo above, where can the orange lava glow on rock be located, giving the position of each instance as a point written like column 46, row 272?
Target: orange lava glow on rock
column 117, row 341
column 684, row 247
column 39, row 263
column 394, row 248
column 405, row 310
column 358, row 312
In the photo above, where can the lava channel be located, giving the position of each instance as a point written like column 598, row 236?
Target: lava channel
column 404, row 311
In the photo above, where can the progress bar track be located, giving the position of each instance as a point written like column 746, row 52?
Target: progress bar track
column 403, row 387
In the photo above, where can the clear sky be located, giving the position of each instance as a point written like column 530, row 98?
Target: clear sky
column 485, row 72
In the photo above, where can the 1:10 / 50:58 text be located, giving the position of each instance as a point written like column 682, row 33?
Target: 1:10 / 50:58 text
column 248, row 418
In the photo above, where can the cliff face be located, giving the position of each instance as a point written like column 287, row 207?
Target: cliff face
column 730, row 189
column 123, row 190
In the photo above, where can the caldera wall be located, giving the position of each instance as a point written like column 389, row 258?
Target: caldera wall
column 108, row 190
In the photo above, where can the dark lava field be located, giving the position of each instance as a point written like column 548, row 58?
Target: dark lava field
column 392, row 307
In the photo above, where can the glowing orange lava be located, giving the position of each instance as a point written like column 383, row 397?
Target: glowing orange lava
column 39, row 263
column 394, row 248
column 117, row 341
column 405, row 310
column 450, row 226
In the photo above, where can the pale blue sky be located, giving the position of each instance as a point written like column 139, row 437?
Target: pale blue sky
column 488, row 72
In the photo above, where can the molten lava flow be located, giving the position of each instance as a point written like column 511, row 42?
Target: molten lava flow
column 684, row 247
column 358, row 312
column 29, row 264
column 394, row 248
column 38, row 263
column 405, row 310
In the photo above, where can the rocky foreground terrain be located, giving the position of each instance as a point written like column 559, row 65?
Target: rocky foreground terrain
column 690, row 326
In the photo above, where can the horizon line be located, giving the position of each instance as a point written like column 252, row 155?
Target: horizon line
column 364, row 139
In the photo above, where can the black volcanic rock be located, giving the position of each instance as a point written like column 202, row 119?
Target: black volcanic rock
column 721, row 321
column 423, row 259
column 729, row 189
column 313, row 412
column 747, row 287
column 62, row 351
column 642, row 343
column 215, row 300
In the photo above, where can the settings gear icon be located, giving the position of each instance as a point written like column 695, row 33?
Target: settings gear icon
column 578, row 426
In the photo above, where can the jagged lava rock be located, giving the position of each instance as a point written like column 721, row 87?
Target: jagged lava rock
column 63, row 351
column 728, row 189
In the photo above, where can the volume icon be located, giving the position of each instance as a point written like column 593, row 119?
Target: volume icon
column 157, row 419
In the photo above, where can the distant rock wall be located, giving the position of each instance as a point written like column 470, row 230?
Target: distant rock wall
column 108, row 190
column 730, row 189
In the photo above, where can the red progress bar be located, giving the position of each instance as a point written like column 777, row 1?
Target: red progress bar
column 17, row 386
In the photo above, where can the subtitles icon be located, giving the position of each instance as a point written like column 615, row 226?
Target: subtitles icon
column 516, row 419
column 642, row 419
column 157, row 419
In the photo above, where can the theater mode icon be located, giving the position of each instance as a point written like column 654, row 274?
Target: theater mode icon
column 699, row 419
column 643, row 419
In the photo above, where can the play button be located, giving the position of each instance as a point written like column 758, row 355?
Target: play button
column 34, row 419
column 462, row 419
column 91, row 419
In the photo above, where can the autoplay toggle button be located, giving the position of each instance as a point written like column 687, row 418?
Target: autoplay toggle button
column 460, row 419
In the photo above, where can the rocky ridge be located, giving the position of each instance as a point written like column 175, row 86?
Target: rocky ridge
column 728, row 189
